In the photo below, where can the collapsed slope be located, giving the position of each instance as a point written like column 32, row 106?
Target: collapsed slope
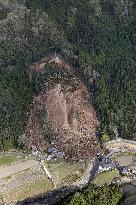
column 61, row 114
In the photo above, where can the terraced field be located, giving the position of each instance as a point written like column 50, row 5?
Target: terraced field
column 30, row 189
column 21, row 178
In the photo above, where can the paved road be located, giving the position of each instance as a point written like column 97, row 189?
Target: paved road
column 13, row 169
column 86, row 176
column 89, row 173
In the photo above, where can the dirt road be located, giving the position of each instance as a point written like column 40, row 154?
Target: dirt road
column 121, row 144
column 13, row 169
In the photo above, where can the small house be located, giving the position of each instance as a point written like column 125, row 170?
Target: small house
column 52, row 150
column 125, row 171
column 107, row 166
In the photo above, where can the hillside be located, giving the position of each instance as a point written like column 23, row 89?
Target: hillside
column 98, row 37
column 67, row 91
column 94, row 195
column 103, row 35
column 61, row 113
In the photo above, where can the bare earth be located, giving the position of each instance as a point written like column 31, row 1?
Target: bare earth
column 69, row 114
column 13, row 169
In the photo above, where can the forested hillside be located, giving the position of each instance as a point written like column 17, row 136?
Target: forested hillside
column 103, row 36
column 25, row 36
column 93, row 195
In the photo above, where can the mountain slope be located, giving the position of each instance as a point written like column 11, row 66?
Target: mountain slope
column 62, row 114
column 98, row 36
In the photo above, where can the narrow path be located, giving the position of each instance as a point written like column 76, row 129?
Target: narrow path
column 13, row 169
column 86, row 176
column 41, row 162
column 43, row 166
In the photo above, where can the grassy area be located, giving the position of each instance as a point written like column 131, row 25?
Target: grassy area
column 63, row 173
column 105, row 177
column 70, row 179
column 125, row 158
column 29, row 190
column 7, row 160
column 61, row 169
column 124, row 154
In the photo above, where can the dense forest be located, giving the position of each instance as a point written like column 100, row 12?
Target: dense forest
column 102, row 34
column 93, row 195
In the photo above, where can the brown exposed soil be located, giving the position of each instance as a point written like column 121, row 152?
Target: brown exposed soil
column 69, row 114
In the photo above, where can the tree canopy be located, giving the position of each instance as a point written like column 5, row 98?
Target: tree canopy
column 100, row 33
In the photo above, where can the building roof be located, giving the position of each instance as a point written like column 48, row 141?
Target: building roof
column 125, row 169
column 52, row 149
column 59, row 154
column 106, row 161
column 107, row 165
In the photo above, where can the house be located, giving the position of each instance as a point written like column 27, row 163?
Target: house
column 133, row 170
column 107, row 166
column 55, row 153
column 125, row 171
column 59, row 154
column 52, row 150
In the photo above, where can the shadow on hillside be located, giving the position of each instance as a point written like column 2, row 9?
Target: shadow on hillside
column 48, row 198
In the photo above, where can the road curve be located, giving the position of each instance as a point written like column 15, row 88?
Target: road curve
column 15, row 168
column 121, row 145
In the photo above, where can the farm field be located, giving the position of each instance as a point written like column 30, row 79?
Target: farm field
column 20, row 178
column 64, row 172
column 7, row 160
column 105, row 177
column 31, row 189
column 25, row 177
column 125, row 158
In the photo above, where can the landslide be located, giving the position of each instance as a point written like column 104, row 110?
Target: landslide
column 61, row 113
